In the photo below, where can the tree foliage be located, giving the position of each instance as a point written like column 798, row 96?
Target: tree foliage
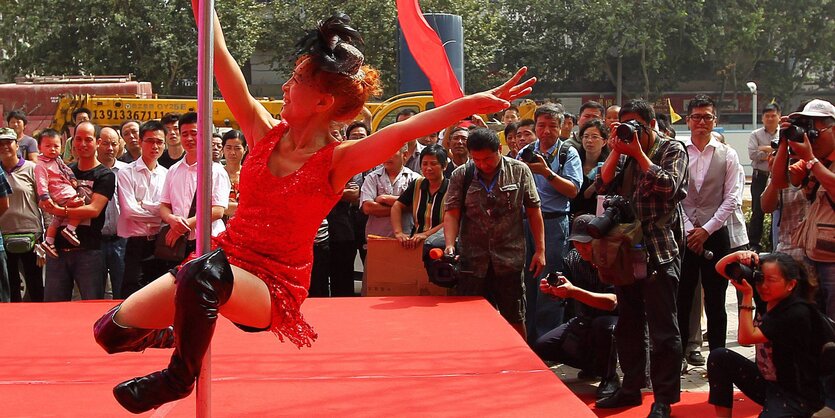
column 663, row 45
column 155, row 40
column 377, row 21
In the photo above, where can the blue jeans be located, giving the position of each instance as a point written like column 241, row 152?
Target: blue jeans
column 82, row 267
column 113, row 257
column 543, row 312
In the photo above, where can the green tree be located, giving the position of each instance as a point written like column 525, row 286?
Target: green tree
column 377, row 21
column 155, row 40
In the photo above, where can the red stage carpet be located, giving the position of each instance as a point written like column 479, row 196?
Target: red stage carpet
column 388, row 356
column 692, row 404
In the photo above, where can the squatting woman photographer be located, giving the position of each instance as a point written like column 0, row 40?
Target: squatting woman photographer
column 784, row 379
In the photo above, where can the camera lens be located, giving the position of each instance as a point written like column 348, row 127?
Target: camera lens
column 793, row 133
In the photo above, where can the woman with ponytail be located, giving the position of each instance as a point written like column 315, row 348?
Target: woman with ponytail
column 259, row 272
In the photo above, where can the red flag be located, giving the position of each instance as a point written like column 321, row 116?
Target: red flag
column 426, row 47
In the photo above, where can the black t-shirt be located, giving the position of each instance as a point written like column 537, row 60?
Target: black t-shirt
column 341, row 223
column 166, row 161
column 101, row 181
column 584, row 275
column 788, row 327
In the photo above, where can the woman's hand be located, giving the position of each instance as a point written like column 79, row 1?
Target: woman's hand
column 749, row 258
column 499, row 98
column 744, row 287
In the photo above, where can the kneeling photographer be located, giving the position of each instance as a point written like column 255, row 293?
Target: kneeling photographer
column 586, row 341
column 785, row 377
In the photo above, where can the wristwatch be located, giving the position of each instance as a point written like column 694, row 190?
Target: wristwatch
column 811, row 163
column 552, row 176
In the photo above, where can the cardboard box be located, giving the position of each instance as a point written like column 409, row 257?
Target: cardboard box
column 391, row 270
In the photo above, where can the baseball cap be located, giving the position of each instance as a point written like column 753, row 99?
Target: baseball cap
column 580, row 229
column 7, row 134
column 817, row 108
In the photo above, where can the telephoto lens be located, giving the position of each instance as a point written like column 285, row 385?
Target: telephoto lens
column 626, row 130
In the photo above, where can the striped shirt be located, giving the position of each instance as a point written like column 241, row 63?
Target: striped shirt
column 657, row 197
column 429, row 210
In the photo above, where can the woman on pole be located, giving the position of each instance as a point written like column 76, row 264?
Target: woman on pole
column 259, row 271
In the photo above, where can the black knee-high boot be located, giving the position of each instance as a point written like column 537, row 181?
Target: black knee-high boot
column 115, row 338
column 203, row 285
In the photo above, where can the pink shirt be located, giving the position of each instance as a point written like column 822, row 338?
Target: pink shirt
column 54, row 180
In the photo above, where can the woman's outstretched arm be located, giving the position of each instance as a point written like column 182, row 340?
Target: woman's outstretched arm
column 352, row 157
column 253, row 118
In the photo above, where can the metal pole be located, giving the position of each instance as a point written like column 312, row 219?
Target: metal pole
column 754, row 109
column 205, row 85
column 619, row 87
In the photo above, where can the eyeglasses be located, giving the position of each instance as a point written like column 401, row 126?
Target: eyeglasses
column 592, row 137
column 703, row 117
column 158, row 143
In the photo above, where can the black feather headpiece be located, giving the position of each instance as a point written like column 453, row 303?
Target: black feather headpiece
column 332, row 44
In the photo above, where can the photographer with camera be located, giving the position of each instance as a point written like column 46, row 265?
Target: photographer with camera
column 650, row 170
column 785, row 377
column 808, row 134
column 558, row 174
column 713, row 195
column 497, row 192
column 587, row 340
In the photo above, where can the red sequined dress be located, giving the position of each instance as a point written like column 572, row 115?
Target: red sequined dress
column 271, row 234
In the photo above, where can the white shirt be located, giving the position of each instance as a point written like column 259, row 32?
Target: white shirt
column 378, row 183
column 111, row 217
column 181, row 183
column 140, row 191
column 699, row 164
column 758, row 138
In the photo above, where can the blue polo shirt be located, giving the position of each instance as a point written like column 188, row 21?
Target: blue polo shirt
column 552, row 200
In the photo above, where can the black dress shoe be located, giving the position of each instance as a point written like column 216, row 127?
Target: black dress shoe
column 695, row 358
column 608, row 386
column 659, row 410
column 620, row 399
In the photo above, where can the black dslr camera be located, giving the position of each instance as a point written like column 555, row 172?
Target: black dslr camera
column 626, row 130
column 528, row 155
column 738, row 271
column 616, row 210
column 798, row 127
column 444, row 271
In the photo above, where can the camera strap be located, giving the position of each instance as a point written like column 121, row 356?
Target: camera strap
column 469, row 173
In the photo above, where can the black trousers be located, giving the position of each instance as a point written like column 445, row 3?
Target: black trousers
column 319, row 286
column 694, row 268
column 726, row 368
column 141, row 267
column 755, row 226
column 597, row 350
column 648, row 318
column 32, row 274
column 342, row 256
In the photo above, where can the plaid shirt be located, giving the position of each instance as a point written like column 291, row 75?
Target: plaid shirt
column 657, row 198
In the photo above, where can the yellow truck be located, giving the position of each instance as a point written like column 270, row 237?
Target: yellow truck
column 113, row 110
